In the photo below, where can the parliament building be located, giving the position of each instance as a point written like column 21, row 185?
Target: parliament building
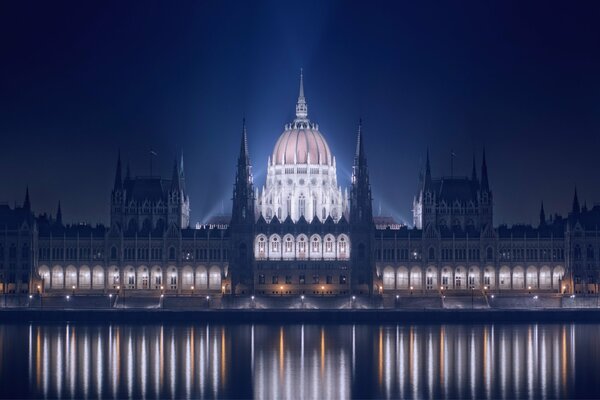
column 300, row 233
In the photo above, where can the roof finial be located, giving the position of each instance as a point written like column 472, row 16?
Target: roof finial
column 301, row 107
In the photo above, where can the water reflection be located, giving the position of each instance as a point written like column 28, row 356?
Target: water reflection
column 301, row 361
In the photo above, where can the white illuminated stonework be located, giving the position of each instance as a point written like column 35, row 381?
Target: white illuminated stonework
column 301, row 174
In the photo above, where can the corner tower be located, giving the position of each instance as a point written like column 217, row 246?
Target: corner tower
column 361, row 221
column 242, row 222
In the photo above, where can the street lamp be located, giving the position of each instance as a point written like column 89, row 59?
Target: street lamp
column 208, row 301
column 322, row 290
column 29, row 304
column 411, row 290
column 252, row 298
column 110, row 300
column 529, row 288
column 397, row 298
column 302, row 300
column 73, row 287
column 281, row 290
column 192, row 290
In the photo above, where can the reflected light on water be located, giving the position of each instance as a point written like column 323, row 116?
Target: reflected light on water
column 299, row 361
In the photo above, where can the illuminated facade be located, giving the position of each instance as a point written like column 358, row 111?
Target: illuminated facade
column 301, row 234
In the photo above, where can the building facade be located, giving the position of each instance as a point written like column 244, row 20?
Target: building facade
column 300, row 234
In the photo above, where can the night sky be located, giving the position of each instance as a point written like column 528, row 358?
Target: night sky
column 81, row 80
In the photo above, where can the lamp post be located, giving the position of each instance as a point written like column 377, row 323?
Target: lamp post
column 472, row 297
column 162, row 301
column 252, row 303
column 529, row 288
column 208, row 301
column 29, row 304
column 73, row 290
column 322, row 291
column 110, row 300
column 281, row 291
column 411, row 290
column 302, row 301
column 39, row 290
column 353, row 301
column 192, row 290
column 397, row 298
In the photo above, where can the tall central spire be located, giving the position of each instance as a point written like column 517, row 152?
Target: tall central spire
column 301, row 107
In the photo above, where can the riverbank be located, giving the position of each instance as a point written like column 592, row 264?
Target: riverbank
column 359, row 316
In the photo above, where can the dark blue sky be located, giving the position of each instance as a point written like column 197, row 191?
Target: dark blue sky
column 80, row 80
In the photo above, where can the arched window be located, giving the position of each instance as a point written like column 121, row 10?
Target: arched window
column 171, row 253
column 113, row 253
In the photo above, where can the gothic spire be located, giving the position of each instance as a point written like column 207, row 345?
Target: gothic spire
column 485, row 186
column 576, row 208
column 427, row 170
column 361, row 210
column 181, row 173
column 301, row 107
column 244, row 156
column 118, row 180
column 360, row 157
column 542, row 215
column 27, row 203
column 243, row 192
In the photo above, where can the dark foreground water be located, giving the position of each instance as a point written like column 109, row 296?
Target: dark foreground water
column 300, row 361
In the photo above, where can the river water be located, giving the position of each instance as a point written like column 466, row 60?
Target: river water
column 300, row 361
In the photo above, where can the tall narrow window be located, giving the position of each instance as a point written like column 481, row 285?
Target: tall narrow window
column 302, row 205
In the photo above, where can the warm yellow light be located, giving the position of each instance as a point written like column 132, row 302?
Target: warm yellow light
column 322, row 287
column 192, row 288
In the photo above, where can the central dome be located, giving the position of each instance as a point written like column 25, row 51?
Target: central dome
column 301, row 144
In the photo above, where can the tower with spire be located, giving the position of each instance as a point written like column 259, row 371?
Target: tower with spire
column 179, row 202
column 486, row 204
column 362, row 228
column 117, row 198
column 242, row 222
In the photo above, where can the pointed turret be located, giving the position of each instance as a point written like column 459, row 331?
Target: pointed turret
column 181, row 174
column 27, row 203
column 360, row 158
column 301, row 106
column 427, row 181
column 576, row 209
column 118, row 179
column 485, row 186
column 542, row 215
column 59, row 215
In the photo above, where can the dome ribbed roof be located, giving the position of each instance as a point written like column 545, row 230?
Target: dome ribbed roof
column 301, row 145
